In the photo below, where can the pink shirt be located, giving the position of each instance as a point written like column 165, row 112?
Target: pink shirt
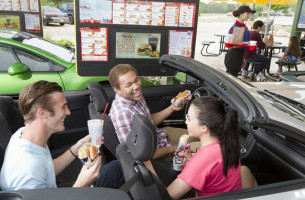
column 204, row 172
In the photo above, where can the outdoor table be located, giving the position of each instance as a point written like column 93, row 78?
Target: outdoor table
column 222, row 47
column 269, row 51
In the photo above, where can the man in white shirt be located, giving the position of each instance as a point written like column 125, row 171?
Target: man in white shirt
column 28, row 163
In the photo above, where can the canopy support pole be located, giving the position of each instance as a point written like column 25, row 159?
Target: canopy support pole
column 293, row 31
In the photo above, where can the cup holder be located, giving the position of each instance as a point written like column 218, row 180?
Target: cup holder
column 10, row 196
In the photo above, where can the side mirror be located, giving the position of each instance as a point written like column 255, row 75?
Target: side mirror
column 180, row 76
column 19, row 70
column 184, row 78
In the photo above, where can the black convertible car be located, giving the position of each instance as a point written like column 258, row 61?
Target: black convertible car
column 272, row 133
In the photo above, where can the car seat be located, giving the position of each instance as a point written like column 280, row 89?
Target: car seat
column 111, row 140
column 98, row 100
column 140, row 146
column 11, row 113
column 5, row 135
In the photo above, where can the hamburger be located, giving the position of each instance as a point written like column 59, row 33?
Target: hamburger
column 87, row 151
column 144, row 49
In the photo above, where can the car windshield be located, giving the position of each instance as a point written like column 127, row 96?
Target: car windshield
column 52, row 10
column 293, row 108
column 45, row 45
column 284, row 104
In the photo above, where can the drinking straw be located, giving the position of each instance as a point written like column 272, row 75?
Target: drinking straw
column 104, row 111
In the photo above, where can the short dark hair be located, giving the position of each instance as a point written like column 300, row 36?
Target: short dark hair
column 117, row 71
column 257, row 24
column 35, row 96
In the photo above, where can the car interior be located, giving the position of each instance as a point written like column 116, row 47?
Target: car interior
column 276, row 159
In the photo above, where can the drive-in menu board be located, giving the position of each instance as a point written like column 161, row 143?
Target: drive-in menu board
column 94, row 44
column 137, row 13
column 21, row 15
column 137, row 32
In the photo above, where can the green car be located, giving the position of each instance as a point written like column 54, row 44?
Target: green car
column 26, row 58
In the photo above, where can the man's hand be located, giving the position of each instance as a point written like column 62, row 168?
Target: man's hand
column 180, row 106
column 174, row 148
column 88, row 175
column 78, row 145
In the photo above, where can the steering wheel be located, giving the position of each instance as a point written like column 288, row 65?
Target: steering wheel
column 199, row 92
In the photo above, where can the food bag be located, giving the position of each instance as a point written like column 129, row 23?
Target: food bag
column 185, row 95
column 183, row 146
column 238, row 35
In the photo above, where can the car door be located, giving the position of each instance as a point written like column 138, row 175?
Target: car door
column 40, row 69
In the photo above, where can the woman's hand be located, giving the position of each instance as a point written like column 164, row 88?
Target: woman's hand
column 88, row 175
column 186, row 155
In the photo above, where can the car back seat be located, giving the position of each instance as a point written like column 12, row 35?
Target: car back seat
column 5, row 135
column 11, row 113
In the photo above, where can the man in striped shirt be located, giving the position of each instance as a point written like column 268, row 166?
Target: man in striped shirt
column 129, row 100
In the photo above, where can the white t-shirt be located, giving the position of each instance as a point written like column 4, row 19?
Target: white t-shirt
column 26, row 166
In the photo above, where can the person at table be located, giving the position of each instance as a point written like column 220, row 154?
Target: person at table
column 234, row 59
column 215, row 167
column 291, row 55
column 252, row 56
column 28, row 163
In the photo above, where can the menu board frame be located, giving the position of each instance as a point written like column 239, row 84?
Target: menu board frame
column 21, row 8
column 127, row 17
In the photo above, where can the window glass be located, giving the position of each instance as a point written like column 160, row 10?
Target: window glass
column 64, row 6
column 9, row 58
column 33, row 62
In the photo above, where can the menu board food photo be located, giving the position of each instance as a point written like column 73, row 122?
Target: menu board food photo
column 11, row 22
column 137, row 45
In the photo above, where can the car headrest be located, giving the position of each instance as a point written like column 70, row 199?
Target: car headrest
column 142, row 139
column 99, row 96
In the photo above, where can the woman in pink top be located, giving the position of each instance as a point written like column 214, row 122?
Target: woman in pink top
column 215, row 168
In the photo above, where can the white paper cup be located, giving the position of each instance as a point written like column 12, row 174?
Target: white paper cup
column 253, row 42
column 95, row 127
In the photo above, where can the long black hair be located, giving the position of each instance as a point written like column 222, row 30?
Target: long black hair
column 222, row 122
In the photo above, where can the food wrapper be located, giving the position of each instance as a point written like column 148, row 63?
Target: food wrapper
column 185, row 95
column 87, row 152
column 183, row 146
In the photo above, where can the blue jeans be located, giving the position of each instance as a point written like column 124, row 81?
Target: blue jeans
column 111, row 176
column 258, row 58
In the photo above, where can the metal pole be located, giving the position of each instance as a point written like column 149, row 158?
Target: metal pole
column 266, row 29
column 298, row 9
